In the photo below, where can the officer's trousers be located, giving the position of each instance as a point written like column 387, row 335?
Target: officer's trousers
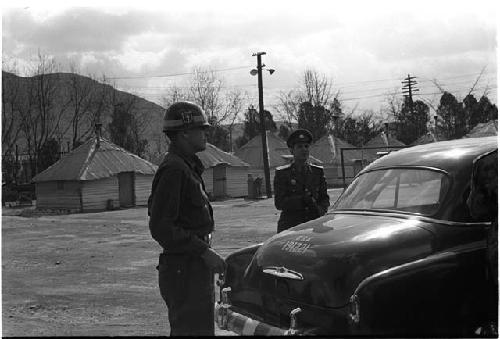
column 187, row 286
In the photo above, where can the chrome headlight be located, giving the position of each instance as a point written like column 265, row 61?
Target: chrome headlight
column 354, row 309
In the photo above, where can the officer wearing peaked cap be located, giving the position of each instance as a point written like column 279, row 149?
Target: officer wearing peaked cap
column 300, row 190
column 300, row 135
column 181, row 221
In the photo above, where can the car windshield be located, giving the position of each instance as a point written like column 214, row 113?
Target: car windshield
column 409, row 190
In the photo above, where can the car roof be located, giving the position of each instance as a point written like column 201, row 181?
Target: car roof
column 445, row 155
column 455, row 157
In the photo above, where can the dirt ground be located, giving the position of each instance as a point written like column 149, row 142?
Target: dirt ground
column 94, row 274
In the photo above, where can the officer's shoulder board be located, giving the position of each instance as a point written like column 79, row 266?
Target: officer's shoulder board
column 316, row 166
column 284, row 167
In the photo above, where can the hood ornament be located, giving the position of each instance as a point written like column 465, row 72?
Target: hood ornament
column 283, row 272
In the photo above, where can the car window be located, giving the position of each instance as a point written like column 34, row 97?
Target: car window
column 410, row 190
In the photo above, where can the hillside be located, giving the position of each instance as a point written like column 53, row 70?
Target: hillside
column 68, row 93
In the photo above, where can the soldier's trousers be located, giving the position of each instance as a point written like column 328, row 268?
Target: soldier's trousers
column 187, row 286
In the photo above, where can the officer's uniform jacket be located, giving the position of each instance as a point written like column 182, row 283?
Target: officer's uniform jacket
column 291, row 189
column 181, row 217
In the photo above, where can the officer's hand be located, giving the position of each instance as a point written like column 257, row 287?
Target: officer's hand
column 309, row 200
column 214, row 260
column 322, row 210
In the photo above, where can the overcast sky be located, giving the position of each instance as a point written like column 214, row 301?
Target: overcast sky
column 366, row 47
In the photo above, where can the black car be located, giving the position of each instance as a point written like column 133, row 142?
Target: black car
column 397, row 255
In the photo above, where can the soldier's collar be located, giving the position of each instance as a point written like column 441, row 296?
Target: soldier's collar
column 191, row 160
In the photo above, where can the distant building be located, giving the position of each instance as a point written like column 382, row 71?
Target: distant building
column 97, row 175
column 484, row 129
column 225, row 175
column 428, row 138
column 382, row 143
column 278, row 153
column 328, row 149
column 251, row 153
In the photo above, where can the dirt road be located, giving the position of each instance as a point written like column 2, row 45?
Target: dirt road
column 94, row 274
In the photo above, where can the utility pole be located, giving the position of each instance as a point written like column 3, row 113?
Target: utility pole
column 265, row 155
column 408, row 90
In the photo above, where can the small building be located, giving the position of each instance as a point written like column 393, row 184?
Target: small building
column 328, row 149
column 225, row 175
column 251, row 153
column 382, row 143
column 484, row 129
column 428, row 138
column 96, row 176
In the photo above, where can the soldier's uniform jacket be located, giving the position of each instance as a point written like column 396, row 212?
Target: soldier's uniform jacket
column 301, row 196
column 181, row 217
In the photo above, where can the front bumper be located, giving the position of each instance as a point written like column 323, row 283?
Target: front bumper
column 230, row 320
column 243, row 325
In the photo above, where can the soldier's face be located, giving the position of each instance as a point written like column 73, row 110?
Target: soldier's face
column 300, row 151
column 197, row 138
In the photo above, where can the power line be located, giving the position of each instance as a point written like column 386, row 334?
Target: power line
column 338, row 86
column 368, row 96
column 376, row 89
column 359, row 97
column 246, row 67
column 455, row 77
column 174, row 74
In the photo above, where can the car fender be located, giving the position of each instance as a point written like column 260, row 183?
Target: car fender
column 429, row 295
column 237, row 263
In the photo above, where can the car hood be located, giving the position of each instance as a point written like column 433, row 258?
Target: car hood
column 323, row 261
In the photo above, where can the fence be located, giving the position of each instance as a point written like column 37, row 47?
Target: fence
column 362, row 162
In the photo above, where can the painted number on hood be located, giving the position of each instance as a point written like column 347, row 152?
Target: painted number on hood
column 299, row 245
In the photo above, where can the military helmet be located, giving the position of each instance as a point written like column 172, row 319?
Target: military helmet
column 300, row 135
column 184, row 115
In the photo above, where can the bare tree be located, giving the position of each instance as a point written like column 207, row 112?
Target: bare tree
column 43, row 108
column 288, row 106
column 101, row 100
column 314, row 88
column 476, row 81
column 11, row 100
column 81, row 93
column 235, row 100
column 127, row 126
column 205, row 89
column 223, row 107
column 174, row 94
column 394, row 104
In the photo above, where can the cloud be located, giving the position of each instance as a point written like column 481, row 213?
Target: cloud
column 409, row 34
column 348, row 41
column 76, row 30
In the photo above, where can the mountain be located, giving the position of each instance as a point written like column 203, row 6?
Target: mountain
column 64, row 95
column 68, row 93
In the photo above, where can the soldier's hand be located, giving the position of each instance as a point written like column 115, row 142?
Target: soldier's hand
column 214, row 260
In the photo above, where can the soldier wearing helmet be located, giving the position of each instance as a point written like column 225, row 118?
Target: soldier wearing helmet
column 300, row 190
column 181, row 221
